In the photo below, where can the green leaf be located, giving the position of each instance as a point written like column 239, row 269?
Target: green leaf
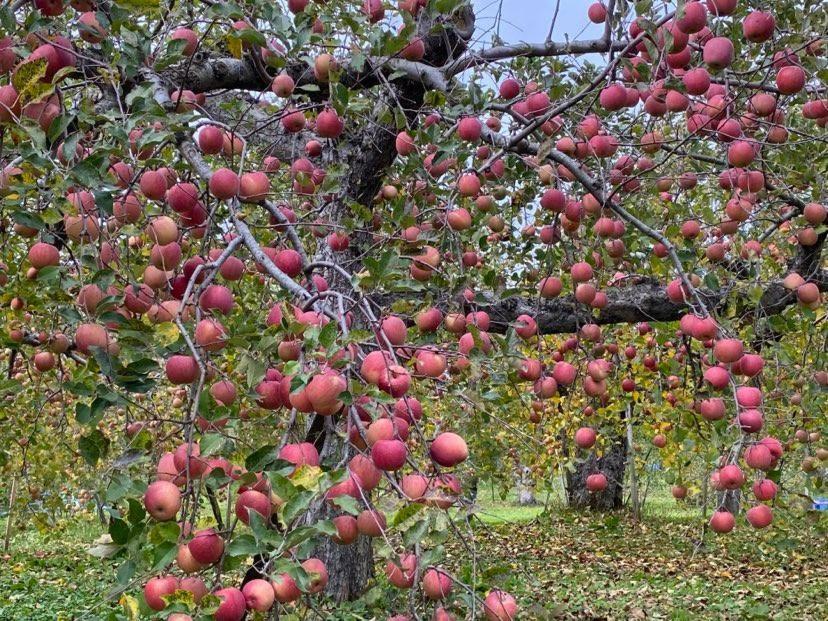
column 93, row 447
column 407, row 512
column 261, row 458
column 163, row 554
column 136, row 513
column 137, row 5
column 348, row 504
column 416, row 533
column 296, row 505
column 33, row 221
column 125, row 571
column 211, row 443
column 118, row 530
column 244, row 545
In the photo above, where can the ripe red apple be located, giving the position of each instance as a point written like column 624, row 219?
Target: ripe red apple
column 596, row 482
column 597, row 13
column 401, row 572
column 162, row 500
column 469, row 128
column 764, row 489
column 468, row 184
column 564, row 373
column 429, row 320
column 181, row 369
column 91, row 29
column 224, row 184
column 389, row 455
column 285, row 589
column 436, row 584
column 722, row 521
column 405, row 144
column 318, row 573
column 158, row 587
column 758, row 26
column 759, row 516
column 206, row 546
column 750, row 421
column 749, row 396
column 718, row 53
column 581, row 272
column 258, row 595
column 346, row 529
column 232, row 606
column 449, row 449
column 300, row 454
column 712, row 409
column 509, row 88
column 731, row 477
column 283, row 85
column 252, row 501
column 185, row 561
column 189, row 37
column 43, row 255
column 500, row 606
column 371, row 523
column 585, row 437
column 790, row 80
column 328, row 124
column 758, row 456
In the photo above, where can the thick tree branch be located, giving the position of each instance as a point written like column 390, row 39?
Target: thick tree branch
column 627, row 304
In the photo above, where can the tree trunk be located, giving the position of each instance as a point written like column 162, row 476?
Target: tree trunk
column 612, row 463
column 526, row 488
column 10, row 516
column 367, row 155
column 634, row 499
column 350, row 567
column 730, row 500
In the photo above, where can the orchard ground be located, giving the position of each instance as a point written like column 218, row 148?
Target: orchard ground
column 563, row 564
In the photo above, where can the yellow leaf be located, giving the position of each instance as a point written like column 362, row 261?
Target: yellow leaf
column 167, row 332
column 28, row 81
column 234, row 44
column 306, row 476
column 130, row 606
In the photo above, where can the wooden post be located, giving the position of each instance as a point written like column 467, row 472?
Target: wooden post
column 636, row 507
column 10, row 516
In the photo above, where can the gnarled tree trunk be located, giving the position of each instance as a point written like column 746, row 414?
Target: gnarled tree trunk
column 368, row 155
column 612, row 463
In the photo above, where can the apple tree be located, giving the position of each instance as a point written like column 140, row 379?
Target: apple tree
column 281, row 280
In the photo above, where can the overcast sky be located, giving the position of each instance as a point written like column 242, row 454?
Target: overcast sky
column 529, row 20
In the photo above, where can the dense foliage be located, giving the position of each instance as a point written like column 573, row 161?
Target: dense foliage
column 282, row 281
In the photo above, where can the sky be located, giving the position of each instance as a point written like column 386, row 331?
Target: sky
column 529, row 20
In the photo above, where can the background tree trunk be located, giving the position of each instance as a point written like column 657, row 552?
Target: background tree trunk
column 612, row 463
column 526, row 487
column 634, row 498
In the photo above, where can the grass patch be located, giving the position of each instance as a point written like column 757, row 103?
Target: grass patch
column 48, row 574
column 559, row 563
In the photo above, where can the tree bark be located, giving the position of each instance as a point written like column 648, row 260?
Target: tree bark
column 730, row 500
column 526, row 488
column 634, row 499
column 368, row 155
column 612, row 463
column 350, row 567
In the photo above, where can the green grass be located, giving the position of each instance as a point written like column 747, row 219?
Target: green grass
column 559, row 563
column 49, row 575
column 566, row 564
